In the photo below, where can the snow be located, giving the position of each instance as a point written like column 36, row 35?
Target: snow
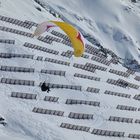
column 115, row 24
column 109, row 20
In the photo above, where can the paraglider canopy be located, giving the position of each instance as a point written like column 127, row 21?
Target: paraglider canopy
column 76, row 38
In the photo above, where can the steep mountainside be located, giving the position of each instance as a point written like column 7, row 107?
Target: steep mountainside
column 95, row 96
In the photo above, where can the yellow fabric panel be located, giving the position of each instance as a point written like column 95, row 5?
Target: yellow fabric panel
column 72, row 33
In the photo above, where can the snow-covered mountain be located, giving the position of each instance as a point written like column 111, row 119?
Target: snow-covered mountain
column 92, row 97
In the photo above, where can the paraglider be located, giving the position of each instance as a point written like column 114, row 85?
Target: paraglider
column 76, row 38
column 45, row 87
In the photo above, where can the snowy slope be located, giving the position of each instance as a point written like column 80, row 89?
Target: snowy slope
column 115, row 25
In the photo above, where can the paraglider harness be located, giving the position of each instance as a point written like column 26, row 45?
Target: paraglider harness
column 45, row 87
